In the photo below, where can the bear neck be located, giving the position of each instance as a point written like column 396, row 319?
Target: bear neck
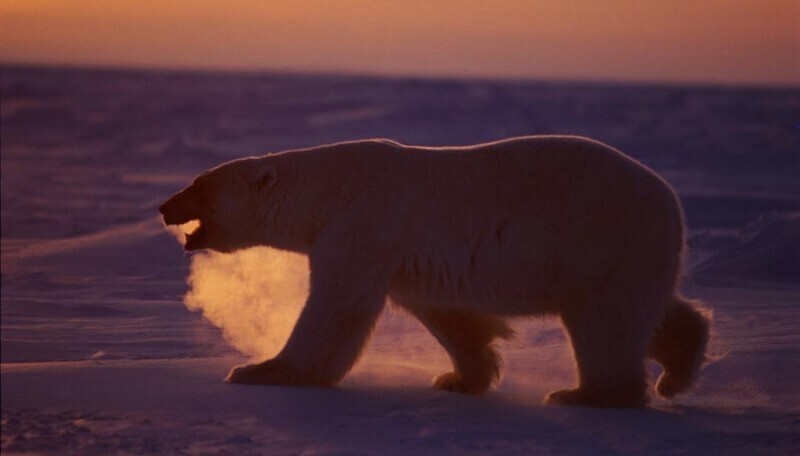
column 313, row 190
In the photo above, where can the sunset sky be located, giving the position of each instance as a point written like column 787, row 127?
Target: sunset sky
column 717, row 41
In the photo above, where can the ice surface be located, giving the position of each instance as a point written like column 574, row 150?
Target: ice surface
column 99, row 353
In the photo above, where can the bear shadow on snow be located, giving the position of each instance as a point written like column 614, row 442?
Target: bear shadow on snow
column 465, row 238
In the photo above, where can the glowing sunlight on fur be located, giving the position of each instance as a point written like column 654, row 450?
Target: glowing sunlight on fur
column 253, row 295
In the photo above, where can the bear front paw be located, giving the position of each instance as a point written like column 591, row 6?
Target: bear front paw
column 566, row 397
column 271, row 372
column 612, row 397
column 456, row 383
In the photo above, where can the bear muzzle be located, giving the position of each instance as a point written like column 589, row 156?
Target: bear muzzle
column 182, row 208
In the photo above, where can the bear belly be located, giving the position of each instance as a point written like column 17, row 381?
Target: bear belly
column 439, row 284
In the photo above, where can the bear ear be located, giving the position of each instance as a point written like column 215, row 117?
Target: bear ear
column 264, row 178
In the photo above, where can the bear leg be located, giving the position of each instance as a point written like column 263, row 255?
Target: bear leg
column 680, row 344
column 327, row 340
column 610, row 335
column 467, row 337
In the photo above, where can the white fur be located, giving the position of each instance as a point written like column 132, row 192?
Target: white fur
column 462, row 237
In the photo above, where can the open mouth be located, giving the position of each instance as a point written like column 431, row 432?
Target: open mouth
column 182, row 210
column 191, row 233
column 195, row 233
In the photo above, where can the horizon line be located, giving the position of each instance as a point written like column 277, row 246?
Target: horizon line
column 232, row 70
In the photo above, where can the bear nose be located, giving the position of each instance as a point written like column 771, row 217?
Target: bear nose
column 164, row 210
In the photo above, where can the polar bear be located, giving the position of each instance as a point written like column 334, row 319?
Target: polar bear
column 465, row 238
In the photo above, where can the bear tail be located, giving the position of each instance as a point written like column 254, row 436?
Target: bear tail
column 680, row 344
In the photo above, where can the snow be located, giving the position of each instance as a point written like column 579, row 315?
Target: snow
column 101, row 355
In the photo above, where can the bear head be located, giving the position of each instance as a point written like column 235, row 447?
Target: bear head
column 225, row 202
